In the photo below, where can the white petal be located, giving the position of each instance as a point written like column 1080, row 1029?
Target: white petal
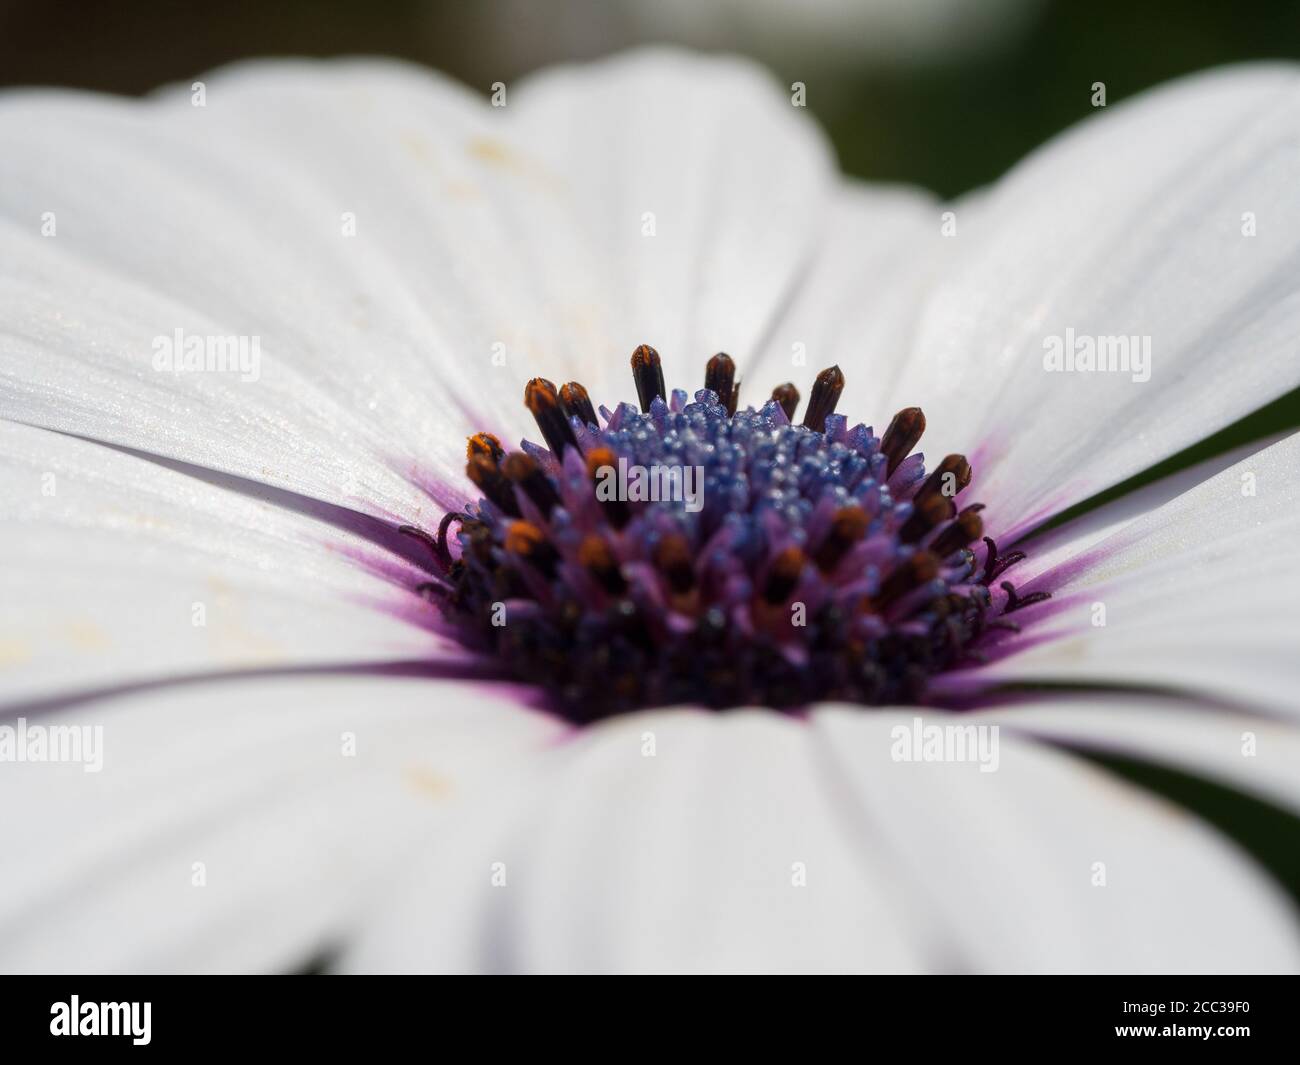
column 690, row 859
column 1008, row 859
column 1073, row 539
column 163, row 225
column 1249, row 754
column 858, row 303
column 252, row 779
column 1199, row 596
column 1129, row 225
column 120, row 571
column 735, row 180
column 479, row 231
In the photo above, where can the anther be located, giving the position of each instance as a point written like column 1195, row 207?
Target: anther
column 965, row 530
column 489, row 480
column 720, row 377
column 951, row 476
column 544, row 404
column 476, row 541
column 783, row 575
column 901, row 436
column 929, row 513
column 919, row 568
column 648, row 372
column 523, row 471
column 484, row 444
column 734, row 401
column 597, row 559
column 788, row 398
column 847, row 527
column 672, row 558
column 526, row 540
column 599, row 459
column 825, row 395
column 577, row 404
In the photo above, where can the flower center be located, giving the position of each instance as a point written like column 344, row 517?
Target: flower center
column 690, row 552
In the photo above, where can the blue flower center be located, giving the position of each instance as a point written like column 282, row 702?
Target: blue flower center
column 690, row 552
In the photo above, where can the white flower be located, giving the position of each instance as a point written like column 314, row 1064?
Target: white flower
column 295, row 765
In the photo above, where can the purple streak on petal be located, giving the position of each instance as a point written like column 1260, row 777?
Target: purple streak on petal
column 995, row 451
column 465, row 667
column 379, row 531
column 446, row 495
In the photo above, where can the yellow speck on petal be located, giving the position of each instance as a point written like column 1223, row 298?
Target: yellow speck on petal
column 487, row 150
column 460, row 190
column 85, row 636
column 426, row 782
column 418, row 147
column 14, row 652
column 229, row 637
column 497, row 154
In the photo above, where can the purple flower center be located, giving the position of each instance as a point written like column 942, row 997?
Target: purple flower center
column 690, row 552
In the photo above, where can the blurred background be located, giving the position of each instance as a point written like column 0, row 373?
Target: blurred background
column 941, row 93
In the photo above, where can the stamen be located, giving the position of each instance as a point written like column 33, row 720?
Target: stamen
column 787, row 397
column 825, row 395
column 544, row 405
column 921, row 567
column 929, row 514
column 597, row 559
column 847, row 527
column 965, row 530
column 577, row 404
column 720, row 377
column 949, row 478
column 648, row 373
column 529, row 542
column 484, row 444
column 489, row 480
column 901, row 436
column 523, row 471
column 783, row 575
column 476, row 539
column 617, row 509
column 672, row 557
